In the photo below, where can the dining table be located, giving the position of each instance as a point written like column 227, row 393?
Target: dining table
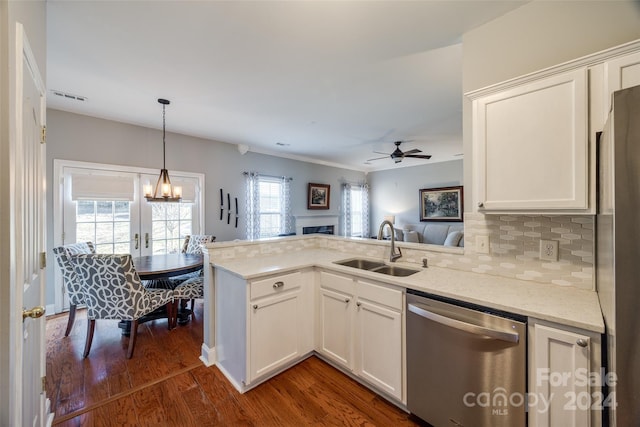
column 161, row 271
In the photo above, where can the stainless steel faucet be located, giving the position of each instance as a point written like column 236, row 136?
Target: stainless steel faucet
column 394, row 256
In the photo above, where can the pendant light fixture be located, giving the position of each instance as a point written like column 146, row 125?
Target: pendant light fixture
column 164, row 192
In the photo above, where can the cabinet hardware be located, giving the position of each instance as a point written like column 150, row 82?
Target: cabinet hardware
column 347, row 300
column 255, row 306
column 278, row 285
column 582, row 342
column 146, row 240
column 137, row 239
column 480, row 204
column 358, row 303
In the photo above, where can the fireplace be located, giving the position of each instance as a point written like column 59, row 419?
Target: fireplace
column 308, row 224
column 322, row 229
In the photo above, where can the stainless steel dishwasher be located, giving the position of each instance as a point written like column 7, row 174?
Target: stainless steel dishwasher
column 466, row 365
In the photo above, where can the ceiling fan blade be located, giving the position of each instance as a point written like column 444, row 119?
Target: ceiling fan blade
column 414, row 151
column 378, row 158
column 380, row 152
column 418, row 156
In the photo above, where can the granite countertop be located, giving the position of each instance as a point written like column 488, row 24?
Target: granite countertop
column 564, row 305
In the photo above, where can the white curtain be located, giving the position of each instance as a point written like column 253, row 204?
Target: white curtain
column 253, row 209
column 355, row 210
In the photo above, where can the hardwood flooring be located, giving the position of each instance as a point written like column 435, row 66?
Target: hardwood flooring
column 165, row 384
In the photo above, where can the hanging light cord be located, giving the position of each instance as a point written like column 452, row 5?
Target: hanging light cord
column 164, row 154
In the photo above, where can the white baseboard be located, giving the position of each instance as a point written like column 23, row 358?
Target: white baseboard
column 208, row 355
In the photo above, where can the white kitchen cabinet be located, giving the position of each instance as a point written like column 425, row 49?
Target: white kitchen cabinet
column 335, row 327
column 262, row 326
column 379, row 337
column 530, row 145
column 621, row 73
column 361, row 329
column 564, row 376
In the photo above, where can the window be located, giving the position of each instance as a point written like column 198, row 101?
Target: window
column 268, row 206
column 105, row 223
column 170, row 223
column 355, row 210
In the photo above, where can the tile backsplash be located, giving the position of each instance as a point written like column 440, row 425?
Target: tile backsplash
column 514, row 242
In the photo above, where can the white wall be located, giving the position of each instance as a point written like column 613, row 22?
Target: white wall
column 76, row 137
column 395, row 191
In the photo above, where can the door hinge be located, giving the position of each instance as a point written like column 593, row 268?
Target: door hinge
column 43, row 260
column 44, row 384
column 43, row 135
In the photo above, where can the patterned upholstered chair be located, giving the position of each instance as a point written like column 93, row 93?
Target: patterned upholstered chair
column 72, row 285
column 113, row 291
column 191, row 286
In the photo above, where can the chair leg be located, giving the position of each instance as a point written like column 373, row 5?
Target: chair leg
column 91, row 324
column 172, row 314
column 72, row 318
column 132, row 338
column 193, row 311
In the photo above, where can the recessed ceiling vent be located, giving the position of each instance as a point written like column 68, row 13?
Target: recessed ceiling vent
column 69, row 96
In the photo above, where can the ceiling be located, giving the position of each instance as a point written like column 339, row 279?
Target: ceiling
column 327, row 81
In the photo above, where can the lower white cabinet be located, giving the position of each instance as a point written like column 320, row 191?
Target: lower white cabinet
column 361, row 329
column 262, row 326
column 564, row 376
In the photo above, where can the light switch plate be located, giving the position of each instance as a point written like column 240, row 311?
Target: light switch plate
column 482, row 244
column 549, row 250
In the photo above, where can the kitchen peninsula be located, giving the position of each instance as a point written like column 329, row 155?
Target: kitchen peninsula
column 272, row 303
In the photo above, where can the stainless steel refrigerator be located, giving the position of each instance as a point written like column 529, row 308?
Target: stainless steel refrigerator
column 618, row 252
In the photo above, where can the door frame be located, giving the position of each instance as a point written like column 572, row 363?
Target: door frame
column 57, row 187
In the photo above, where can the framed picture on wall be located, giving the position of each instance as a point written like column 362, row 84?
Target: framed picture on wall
column 441, row 204
column 318, row 196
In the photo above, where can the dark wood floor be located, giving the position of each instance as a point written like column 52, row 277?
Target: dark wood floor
column 165, row 384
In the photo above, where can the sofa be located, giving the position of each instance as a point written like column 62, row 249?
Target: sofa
column 441, row 233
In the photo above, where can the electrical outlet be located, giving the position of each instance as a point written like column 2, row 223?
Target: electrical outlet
column 482, row 244
column 549, row 250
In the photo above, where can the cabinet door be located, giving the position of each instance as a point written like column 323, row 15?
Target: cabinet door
column 274, row 332
column 336, row 326
column 621, row 73
column 560, row 363
column 379, row 347
column 531, row 147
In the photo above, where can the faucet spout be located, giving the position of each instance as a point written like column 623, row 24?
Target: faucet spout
column 394, row 256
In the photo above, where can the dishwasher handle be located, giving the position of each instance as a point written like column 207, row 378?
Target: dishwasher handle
column 464, row 326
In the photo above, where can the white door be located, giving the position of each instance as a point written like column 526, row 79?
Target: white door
column 28, row 235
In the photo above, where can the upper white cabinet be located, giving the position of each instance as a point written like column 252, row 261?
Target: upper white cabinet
column 621, row 73
column 534, row 137
column 531, row 147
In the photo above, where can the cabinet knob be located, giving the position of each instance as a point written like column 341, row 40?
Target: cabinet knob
column 278, row 285
column 582, row 342
column 481, row 204
column 347, row 300
column 358, row 303
column 255, row 306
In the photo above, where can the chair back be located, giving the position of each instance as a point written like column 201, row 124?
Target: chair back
column 112, row 287
column 72, row 284
column 192, row 243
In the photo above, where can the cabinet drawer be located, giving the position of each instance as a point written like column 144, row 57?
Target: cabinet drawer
column 275, row 285
column 380, row 294
column 337, row 282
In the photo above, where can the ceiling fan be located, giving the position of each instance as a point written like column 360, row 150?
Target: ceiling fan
column 398, row 155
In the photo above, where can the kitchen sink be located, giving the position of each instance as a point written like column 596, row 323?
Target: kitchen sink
column 377, row 267
column 393, row 270
column 362, row 264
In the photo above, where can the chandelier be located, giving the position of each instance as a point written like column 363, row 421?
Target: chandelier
column 164, row 191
